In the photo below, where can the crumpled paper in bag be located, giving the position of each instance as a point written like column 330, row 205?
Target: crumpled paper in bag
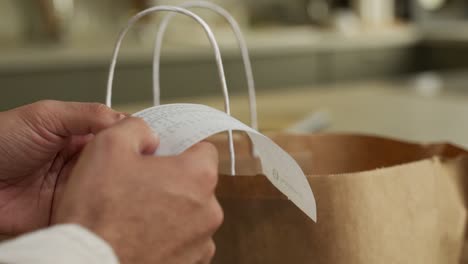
column 379, row 201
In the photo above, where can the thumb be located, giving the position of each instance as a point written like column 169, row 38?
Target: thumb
column 70, row 118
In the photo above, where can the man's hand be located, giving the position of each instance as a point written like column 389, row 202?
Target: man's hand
column 38, row 143
column 149, row 209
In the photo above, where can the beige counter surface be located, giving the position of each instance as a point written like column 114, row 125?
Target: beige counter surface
column 382, row 108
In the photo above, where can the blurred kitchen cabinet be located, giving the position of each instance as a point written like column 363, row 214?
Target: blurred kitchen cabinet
column 291, row 70
column 370, row 63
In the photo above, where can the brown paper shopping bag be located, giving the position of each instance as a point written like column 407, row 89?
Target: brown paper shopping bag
column 379, row 201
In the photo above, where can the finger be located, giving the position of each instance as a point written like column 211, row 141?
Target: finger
column 70, row 118
column 134, row 133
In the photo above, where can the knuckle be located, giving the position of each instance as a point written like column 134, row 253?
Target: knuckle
column 210, row 176
column 212, row 154
column 205, row 168
column 210, row 249
column 217, row 216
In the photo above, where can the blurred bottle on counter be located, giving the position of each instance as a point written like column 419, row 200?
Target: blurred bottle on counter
column 375, row 13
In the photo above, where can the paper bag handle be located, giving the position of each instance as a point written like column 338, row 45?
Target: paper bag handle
column 214, row 45
column 240, row 41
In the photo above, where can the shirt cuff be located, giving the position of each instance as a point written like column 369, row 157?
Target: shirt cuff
column 68, row 243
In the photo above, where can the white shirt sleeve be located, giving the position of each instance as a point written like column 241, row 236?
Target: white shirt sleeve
column 69, row 244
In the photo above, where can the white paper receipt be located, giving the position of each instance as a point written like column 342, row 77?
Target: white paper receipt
column 180, row 126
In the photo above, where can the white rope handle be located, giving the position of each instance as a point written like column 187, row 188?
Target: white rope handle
column 240, row 41
column 214, row 45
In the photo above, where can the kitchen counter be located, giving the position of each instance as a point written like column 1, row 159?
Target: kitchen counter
column 385, row 108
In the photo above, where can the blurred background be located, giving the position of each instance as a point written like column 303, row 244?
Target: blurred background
column 390, row 67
